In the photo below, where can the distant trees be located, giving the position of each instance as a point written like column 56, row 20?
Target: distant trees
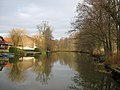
column 65, row 44
column 45, row 32
column 97, row 26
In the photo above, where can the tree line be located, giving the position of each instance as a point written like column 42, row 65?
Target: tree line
column 43, row 39
column 97, row 26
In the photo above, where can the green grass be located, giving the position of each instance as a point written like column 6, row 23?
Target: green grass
column 4, row 51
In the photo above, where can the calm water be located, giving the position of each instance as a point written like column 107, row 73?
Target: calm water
column 58, row 71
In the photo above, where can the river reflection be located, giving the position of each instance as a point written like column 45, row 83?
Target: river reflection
column 42, row 67
column 87, row 78
column 55, row 71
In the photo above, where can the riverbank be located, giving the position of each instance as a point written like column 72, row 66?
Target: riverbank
column 109, row 65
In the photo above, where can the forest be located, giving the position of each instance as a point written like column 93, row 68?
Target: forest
column 96, row 29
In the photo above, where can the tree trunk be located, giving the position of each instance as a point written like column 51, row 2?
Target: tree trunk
column 118, row 39
column 109, row 34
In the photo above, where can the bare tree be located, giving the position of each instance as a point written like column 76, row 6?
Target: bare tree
column 112, row 7
column 95, row 26
column 16, row 35
column 45, row 31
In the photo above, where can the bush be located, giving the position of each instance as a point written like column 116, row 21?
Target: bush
column 19, row 51
column 16, row 50
column 12, row 49
column 37, row 50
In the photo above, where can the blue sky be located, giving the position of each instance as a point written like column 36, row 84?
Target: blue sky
column 29, row 13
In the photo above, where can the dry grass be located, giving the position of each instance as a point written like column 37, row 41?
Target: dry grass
column 114, row 59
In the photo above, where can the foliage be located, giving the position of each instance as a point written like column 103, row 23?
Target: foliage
column 65, row 44
column 16, row 50
column 37, row 50
column 12, row 50
column 4, row 51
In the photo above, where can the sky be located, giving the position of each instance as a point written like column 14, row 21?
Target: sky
column 29, row 13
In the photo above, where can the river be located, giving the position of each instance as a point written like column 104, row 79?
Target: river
column 56, row 71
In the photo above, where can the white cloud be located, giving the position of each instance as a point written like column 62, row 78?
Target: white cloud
column 24, row 15
column 29, row 13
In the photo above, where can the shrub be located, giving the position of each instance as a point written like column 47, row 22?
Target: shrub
column 12, row 49
column 37, row 50
column 16, row 50
column 19, row 51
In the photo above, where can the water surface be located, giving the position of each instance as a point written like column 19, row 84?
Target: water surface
column 56, row 71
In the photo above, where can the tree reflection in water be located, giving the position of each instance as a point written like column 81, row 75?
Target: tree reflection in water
column 87, row 78
column 67, row 58
column 43, row 65
column 16, row 74
column 42, row 68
